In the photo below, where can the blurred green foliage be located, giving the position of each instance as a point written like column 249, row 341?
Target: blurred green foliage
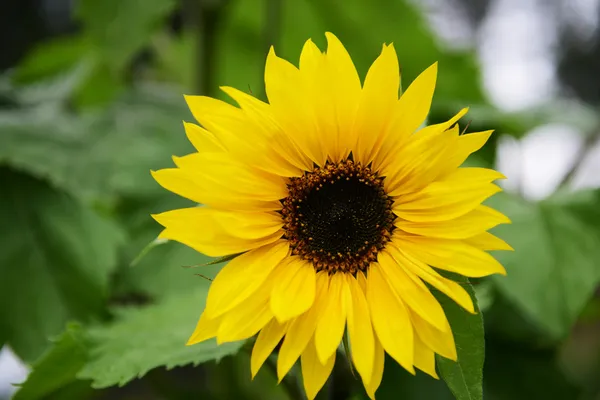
column 86, row 116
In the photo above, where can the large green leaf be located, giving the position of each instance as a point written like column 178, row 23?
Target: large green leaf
column 465, row 376
column 162, row 271
column 556, row 263
column 57, row 368
column 102, row 153
column 145, row 338
column 120, row 28
column 55, row 261
column 50, row 58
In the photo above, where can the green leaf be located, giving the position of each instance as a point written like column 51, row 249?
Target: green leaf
column 101, row 86
column 484, row 291
column 90, row 154
column 55, row 262
column 57, row 368
column 555, row 266
column 464, row 377
column 51, row 57
column 161, row 272
column 120, row 28
column 145, row 338
column 175, row 57
column 58, row 88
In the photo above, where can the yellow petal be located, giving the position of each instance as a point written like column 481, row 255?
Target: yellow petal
column 466, row 178
column 242, row 276
column 412, row 291
column 444, row 200
column 244, row 225
column 310, row 58
column 390, row 318
column 362, row 281
column 332, row 321
column 179, row 182
column 450, row 288
column 294, row 289
column 342, row 91
column 280, row 155
column 315, row 373
column 414, row 104
column 424, row 358
column 389, row 163
column 203, row 229
column 202, row 140
column 451, row 255
column 377, row 374
column 268, row 338
column 442, row 342
column 243, row 323
column 217, row 172
column 248, row 318
column 341, row 63
column 473, row 223
column 314, row 141
column 288, row 92
column 229, row 124
column 188, row 185
column 206, row 328
column 377, row 101
column 465, row 146
column 446, row 124
column 300, row 331
column 423, row 160
column 410, row 112
column 360, row 330
column 487, row 241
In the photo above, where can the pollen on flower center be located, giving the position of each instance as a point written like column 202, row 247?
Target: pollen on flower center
column 338, row 216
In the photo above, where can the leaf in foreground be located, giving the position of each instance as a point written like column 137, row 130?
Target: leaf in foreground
column 465, row 376
column 55, row 262
column 57, row 368
column 150, row 337
column 554, row 270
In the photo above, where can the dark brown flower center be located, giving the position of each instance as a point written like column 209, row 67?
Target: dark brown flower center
column 338, row 216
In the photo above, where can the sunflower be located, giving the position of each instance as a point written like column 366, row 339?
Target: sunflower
column 336, row 208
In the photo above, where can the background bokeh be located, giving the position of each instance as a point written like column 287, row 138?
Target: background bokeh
column 91, row 100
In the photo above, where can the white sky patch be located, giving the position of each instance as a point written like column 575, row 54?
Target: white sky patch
column 12, row 371
column 515, row 48
column 447, row 19
column 536, row 165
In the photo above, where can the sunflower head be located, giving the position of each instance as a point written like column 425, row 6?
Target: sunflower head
column 338, row 217
column 342, row 208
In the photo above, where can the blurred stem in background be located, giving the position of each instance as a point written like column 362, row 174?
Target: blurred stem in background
column 272, row 26
column 589, row 143
column 203, row 18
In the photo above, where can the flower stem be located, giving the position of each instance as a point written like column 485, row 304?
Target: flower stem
column 204, row 18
